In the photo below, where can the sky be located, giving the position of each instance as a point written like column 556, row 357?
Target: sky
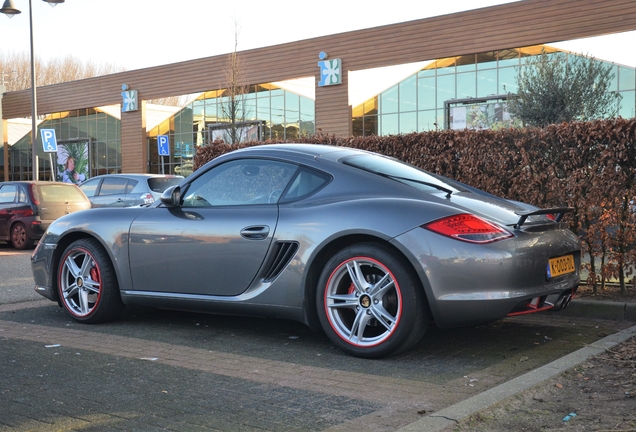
column 136, row 34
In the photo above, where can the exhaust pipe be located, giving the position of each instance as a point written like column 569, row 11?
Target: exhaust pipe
column 563, row 301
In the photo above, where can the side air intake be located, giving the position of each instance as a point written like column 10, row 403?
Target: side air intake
column 283, row 253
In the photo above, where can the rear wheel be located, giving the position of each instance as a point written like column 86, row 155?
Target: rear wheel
column 19, row 237
column 369, row 303
column 87, row 284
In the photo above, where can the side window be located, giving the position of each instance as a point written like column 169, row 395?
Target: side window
column 90, row 187
column 113, row 186
column 22, row 197
column 240, row 182
column 131, row 185
column 306, row 182
column 8, row 194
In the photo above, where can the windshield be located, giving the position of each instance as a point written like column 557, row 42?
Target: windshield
column 400, row 171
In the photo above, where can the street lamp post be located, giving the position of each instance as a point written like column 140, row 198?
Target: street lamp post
column 10, row 10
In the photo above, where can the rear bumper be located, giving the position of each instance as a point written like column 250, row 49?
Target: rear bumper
column 468, row 283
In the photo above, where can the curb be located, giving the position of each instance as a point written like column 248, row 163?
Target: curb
column 452, row 415
column 616, row 311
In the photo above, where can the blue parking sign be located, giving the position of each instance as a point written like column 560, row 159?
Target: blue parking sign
column 164, row 145
column 49, row 142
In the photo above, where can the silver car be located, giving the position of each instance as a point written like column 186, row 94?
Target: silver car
column 365, row 247
column 127, row 190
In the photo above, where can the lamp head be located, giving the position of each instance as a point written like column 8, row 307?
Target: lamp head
column 9, row 9
column 54, row 3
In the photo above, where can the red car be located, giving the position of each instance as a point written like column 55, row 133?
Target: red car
column 27, row 208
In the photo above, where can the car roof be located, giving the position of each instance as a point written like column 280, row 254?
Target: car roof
column 38, row 183
column 310, row 150
column 138, row 175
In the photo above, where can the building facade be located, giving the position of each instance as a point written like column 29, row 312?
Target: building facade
column 397, row 110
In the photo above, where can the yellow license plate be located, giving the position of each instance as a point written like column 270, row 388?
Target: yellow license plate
column 560, row 266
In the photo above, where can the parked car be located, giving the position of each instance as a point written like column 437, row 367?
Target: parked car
column 27, row 208
column 366, row 247
column 127, row 190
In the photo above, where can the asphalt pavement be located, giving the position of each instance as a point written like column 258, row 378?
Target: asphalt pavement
column 156, row 370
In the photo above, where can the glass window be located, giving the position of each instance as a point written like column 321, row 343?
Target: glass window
column 465, row 63
column 628, row 104
column 426, row 93
column 370, row 125
column 426, row 120
column 389, row 100
column 627, row 78
column 357, row 126
column 508, row 58
column 56, row 194
column 426, row 73
column 131, row 185
column 262, row 108
column 614, row 85
column 486, row 83
column 240, row 182
column 89, row 187
column 466, row 85
column 278, row 109
column 445, row 89
column 306, row 182
column 113, row 186
column 399, row 171
column 389, row 124
column 408, row 122
column 22, row 195
column 8, row 193
column 487, row 60
column 408, row 94
column 507, row 80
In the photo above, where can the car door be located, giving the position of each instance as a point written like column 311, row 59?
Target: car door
column 216, row 241
column 111, row 193
column 8, row 202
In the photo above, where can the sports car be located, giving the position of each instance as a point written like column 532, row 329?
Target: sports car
column 367, row 248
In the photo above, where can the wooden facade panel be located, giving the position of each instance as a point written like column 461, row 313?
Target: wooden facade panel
column 511, row 25
column 134, row 151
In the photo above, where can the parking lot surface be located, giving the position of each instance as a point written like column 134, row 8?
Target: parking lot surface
column 168, row 370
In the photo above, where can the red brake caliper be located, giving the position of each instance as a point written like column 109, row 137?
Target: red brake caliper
column 95, row 274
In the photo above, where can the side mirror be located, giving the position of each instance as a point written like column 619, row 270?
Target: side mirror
column 171, row 197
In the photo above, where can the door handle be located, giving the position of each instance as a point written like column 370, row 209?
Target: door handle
column 258, row 232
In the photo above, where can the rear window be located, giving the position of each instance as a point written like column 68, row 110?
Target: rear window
column 59, row 194
column 399, row 171
column 160, row 184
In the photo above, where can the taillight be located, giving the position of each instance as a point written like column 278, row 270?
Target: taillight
column 468, row 228
column 33, row 194
column 23, row 212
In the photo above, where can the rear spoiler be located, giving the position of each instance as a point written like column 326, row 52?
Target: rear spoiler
column 559, row 211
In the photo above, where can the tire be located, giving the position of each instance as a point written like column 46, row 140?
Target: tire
column 369, row 302
column 87, row 284
column 19, row 237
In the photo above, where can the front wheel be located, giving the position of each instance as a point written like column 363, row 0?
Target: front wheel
column 87, row 284
column 369, row 303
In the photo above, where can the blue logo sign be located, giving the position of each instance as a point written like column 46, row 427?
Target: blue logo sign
column 330, row 72
column 130, row 101
column 163, row 145
column 49, row 142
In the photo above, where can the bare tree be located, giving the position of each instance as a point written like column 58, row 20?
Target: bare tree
column 233, row 103
column 15, row 69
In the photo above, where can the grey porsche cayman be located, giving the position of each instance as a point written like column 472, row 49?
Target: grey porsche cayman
column 367, row 248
